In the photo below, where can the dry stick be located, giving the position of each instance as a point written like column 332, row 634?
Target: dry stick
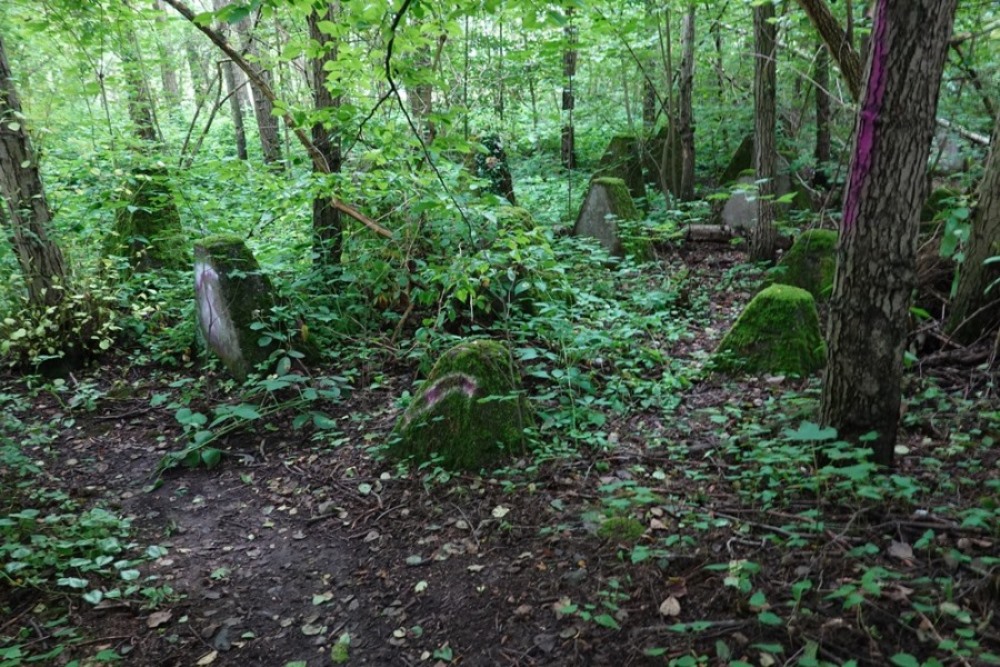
column 315, row 155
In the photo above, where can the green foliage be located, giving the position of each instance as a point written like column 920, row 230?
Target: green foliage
column 82, row 324
column 778, row 332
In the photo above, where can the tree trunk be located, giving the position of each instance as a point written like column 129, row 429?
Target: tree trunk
column 568, row 141
column 233, row 90
column 822, row 79
column 838, row 42
column 685, row 116
column 762, row 247
column 168, row 75
column 328, row 227
column 25, row 211
column 267, row 123
column 880, row 222
column 201, row 81
column 140, row 101
column 975, row 312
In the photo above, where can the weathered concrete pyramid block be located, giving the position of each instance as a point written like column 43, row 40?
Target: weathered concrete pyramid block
column 607, row 205
column 148, row 226
column 623, row 159
column 740, row 209
column 469, row 412
column 232, row 294
column 741, row 161
column 810, row 263
column 778, row 332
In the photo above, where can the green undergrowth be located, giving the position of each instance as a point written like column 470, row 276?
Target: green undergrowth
column 904, row 557
column 57, row 551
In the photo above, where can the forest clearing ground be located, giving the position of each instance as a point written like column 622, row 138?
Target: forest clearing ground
column 290, row 545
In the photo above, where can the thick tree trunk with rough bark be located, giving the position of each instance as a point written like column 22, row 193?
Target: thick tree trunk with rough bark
column 765, row 160
column 328, row 227
column 838, row 41
column 685, row 116
column 880, row 222
column 24, row 210
column 975, row 312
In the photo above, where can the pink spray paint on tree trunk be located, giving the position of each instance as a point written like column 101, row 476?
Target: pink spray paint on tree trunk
column 871, row 111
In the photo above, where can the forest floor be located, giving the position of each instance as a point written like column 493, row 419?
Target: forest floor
column 298, row 551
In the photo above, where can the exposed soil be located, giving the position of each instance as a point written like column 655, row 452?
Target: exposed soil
column 291, row 543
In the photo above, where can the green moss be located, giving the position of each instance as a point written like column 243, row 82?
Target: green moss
column 810, row 264
column 778, row 332
column 148, row 225
column 622, row 205
column 622, row 159
column 467, row 414
column 625, row 235
column 621, row 529
column 233, row 294
column 515, row 218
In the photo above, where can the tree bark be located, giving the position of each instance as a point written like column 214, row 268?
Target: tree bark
column 267, row 123
column 843, row 52
column 685, row 115
column 975, row 312
column 233, row 88
column 762, row 247
column 168, row 73
column 822, row 87
column 25, row 211
column 328, row 227
column 140, row 101
column 876, row 260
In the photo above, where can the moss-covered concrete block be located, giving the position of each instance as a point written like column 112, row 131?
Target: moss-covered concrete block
column 605, row 214
column 469, row 413
column 810, row 263
column 148, row 225
column 232, row 294
column 623, row 159
column 515, row 218
column 741, row 161
column 778, row 332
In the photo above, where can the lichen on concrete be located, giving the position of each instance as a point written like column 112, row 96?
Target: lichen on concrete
column 810, row 264
column 778, row 332
column 232, row 294
column 469, row 412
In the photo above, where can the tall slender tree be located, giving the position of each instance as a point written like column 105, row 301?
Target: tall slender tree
column 976, row 311
column 328, row 227
column 229, row 75
column 267, row 123
column 685, row 115
column 25, row 211
column 765, row 160
column 880, row 221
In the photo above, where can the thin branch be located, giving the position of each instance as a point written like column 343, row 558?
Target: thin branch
column 409, row 121
column 254, row 75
